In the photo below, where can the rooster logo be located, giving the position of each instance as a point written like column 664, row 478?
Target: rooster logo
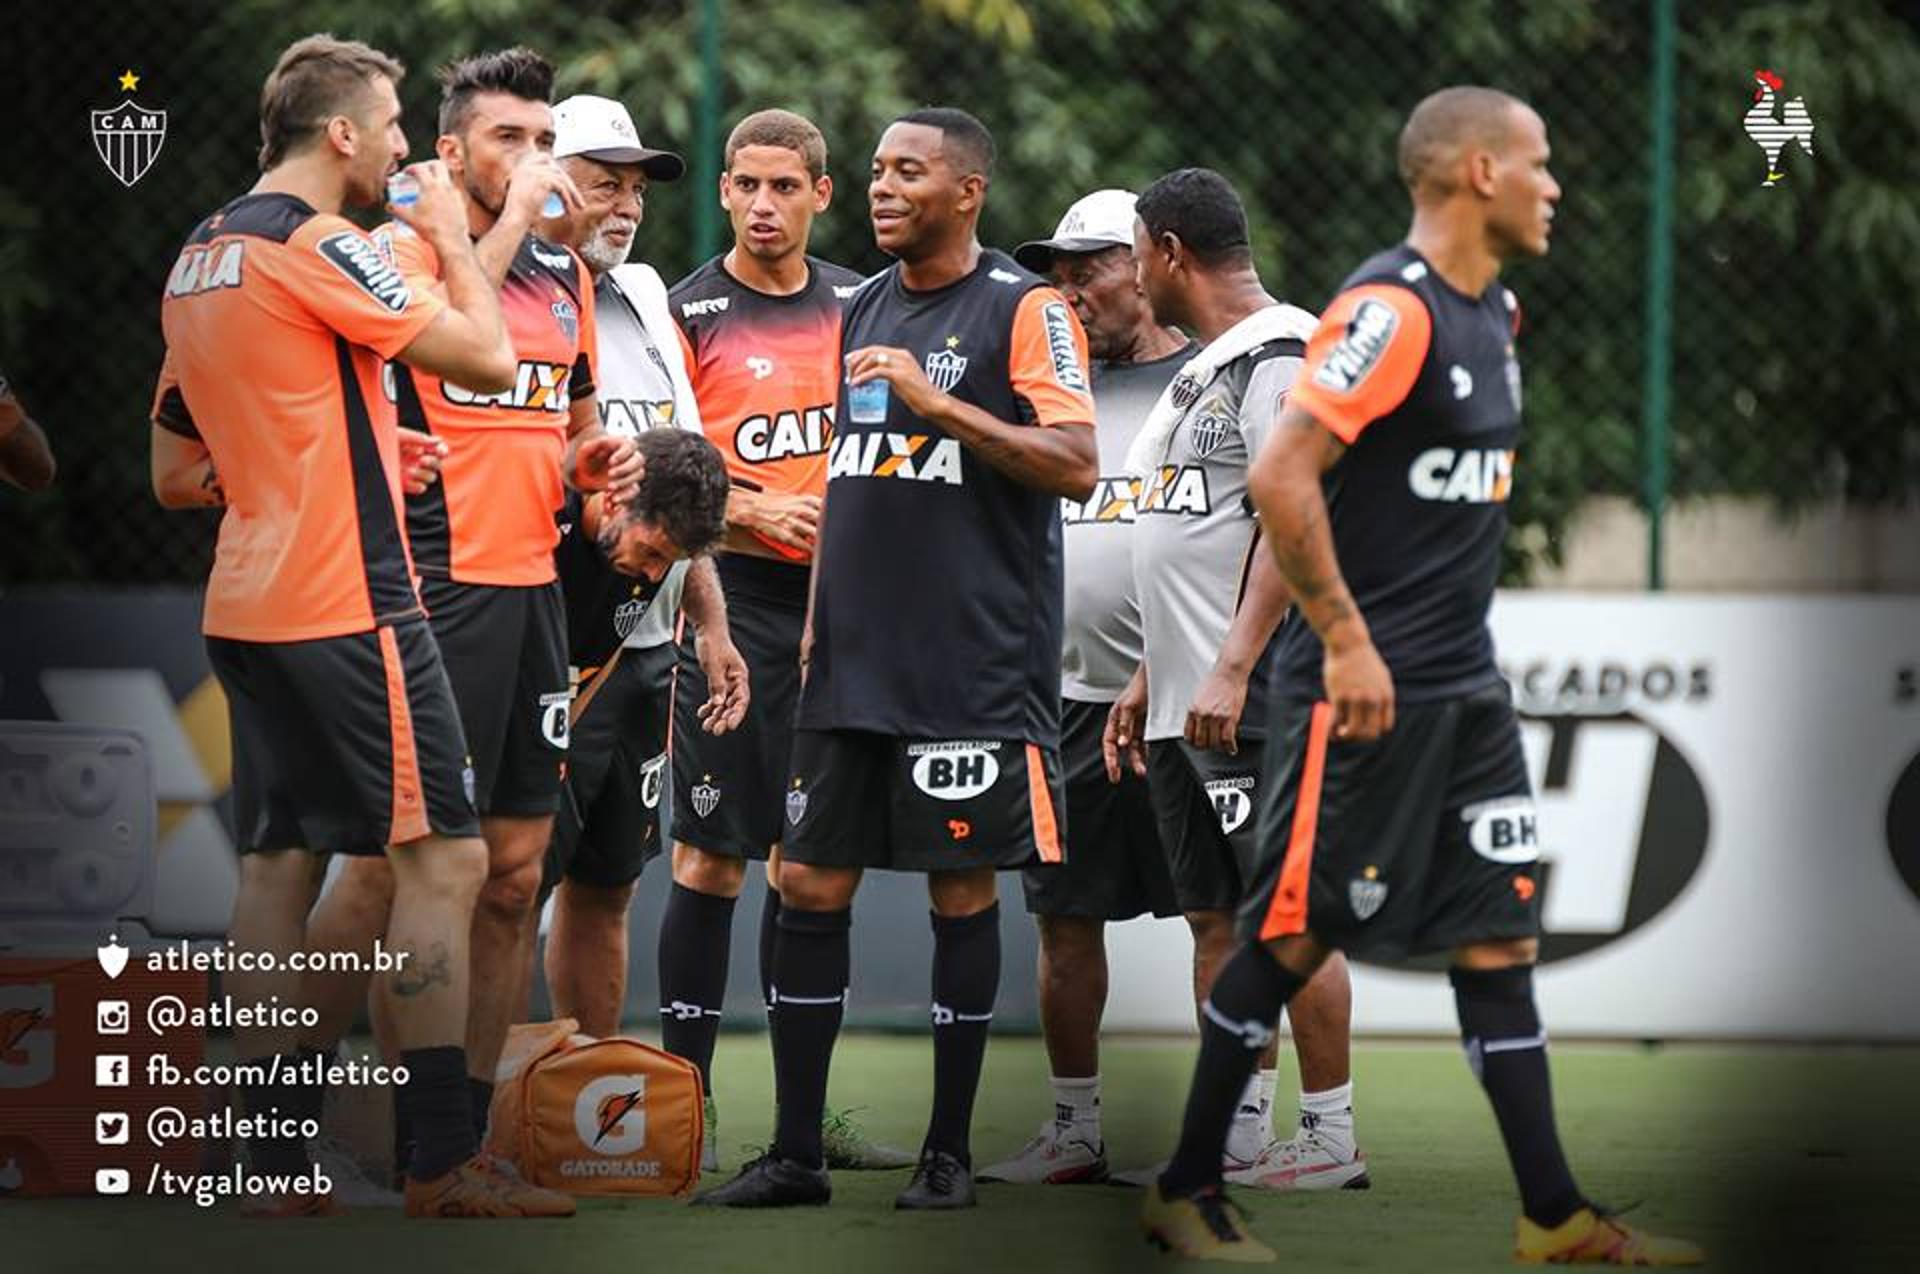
column 1771, row 134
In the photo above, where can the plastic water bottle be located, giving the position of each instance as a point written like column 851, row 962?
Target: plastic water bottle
column 403, row 190
column 554, row 205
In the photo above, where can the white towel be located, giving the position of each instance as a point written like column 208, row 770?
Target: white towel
column 1274, row 323
column 642, row 286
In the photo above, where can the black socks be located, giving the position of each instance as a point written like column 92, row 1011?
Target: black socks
column 966, row 979
column 277, row 1089
column 809, row 995
column 1500, row 1030
column 694, row 936
column 437, row 1107
column 1239, row 1018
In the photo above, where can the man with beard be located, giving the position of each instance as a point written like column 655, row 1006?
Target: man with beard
column 621, row 627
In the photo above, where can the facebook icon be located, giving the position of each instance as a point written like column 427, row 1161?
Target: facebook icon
column 110, row 1070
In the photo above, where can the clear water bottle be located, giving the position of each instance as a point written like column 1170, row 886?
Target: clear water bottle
column 403, row 190
column 554, row 205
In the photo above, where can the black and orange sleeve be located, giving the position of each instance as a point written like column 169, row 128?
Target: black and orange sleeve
column 343, row 278
column 1364, row 357
column 688, row 359
column 170, row 406
column 1048, row 365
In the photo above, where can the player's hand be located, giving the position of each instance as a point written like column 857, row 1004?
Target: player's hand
column 806, row 648
column 1213, row 722
column 535, row 177
column 606, row 463
column 439, row 216
column 727, row 684
column 1359, row 687
column 899, row 369
column 420, row 457
column 1120, row 740
column 789, row 520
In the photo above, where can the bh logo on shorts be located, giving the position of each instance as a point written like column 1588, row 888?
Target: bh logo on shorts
column 610, row 1114
column 553, row 717
column 1505, row 830
column 956, row 771
column 1232, row 801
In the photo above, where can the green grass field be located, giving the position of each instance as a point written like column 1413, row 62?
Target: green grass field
column 1773, row 1157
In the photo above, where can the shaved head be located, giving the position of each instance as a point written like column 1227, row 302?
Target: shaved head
column 1449, row 123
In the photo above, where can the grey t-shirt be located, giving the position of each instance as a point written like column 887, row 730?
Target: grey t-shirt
column 1196, row 533
column 636, row 393
column 1102, row 645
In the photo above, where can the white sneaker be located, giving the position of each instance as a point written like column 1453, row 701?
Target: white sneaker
column 1056, row 1157
column 353, row 1187
column 1306, row 1161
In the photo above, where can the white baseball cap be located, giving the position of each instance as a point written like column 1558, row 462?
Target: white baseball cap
column 600, row 128
column 1103, row 219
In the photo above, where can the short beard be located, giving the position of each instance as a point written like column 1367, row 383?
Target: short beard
column 602, row 256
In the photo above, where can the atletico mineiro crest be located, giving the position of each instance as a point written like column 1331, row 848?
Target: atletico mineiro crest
column 128, row 138
column 945, row 368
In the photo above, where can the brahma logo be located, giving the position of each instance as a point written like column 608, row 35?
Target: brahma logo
column 1466, row 477
column 1062, row 347
column 781, row 437
column 1113, row 500
column 610, row 1114
column 354, row 255
column 1367, row 336
column 916, row 457
column 957, row 771
column 536, row 387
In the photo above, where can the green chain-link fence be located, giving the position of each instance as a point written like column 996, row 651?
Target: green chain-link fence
column 1790, row 375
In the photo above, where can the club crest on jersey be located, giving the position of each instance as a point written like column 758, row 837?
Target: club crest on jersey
column 1060, row 345
column 945, row 368
column 1367, row 336
column 796, row 804
column 1208, row 428
column 626, row 616
column 128, row 138
column 706, row 796
column 916, row 457
column 1185, row 390
column 568, row 318
column 354, row 255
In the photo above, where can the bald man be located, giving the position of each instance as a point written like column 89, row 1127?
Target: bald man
column 1397, row 816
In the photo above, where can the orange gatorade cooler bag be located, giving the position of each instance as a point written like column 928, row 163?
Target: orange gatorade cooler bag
column 596, row 1116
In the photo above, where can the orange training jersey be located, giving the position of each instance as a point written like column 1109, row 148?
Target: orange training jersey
column 766, row 372
column 489, row 520
column 277, row 319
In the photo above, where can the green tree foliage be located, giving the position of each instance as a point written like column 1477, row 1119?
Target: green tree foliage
column 1791, row 377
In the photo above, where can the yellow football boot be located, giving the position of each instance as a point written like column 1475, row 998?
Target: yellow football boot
column 1203, row 1227
column 1593, row 1238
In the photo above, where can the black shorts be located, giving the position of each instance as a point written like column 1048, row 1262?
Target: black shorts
column 858, row 799
column 1205, row 804
column 609, row 823
column 1420, row 841
column 344, row 745
column 729, row 789
column 1117, row 869
column 506, row 654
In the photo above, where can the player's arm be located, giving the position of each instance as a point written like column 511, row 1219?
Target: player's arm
column 720, row 659
column 1047, row 369
column 183, row 473
column 1213, row 719
column 26, row 460
column 1120, row 739
column 788, row 518
column 1361, row 363
column 467, row 341
column 596, row 460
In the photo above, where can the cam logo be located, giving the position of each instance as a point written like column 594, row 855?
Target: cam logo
column 128, row 137
column 705, row 797
column 1178, row 488
column 1232, row 801
column 360, row 260
column 785, row 435
column 1368, row 333
column 1062, row 347
column 1463, row 477
column 957, row 771
column 610, row 1114
column 916, row 457
column 26, row 1035
column 207, row 268
column 553, row 717
column 945, row 368
column 1208, row 429
column 1113, row 500
column 537, row 387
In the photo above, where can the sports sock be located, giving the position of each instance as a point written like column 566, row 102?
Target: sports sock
column 809, row 994
column 402, row 1134
column 1500, row 1028
column 1076, row 1106
column 276, row 1090
column 1239, row 1018
column 1251, row 1128
column 769, row 929
column 480, row 1104
column 966, row 979
column 437, row 1107
column 1329, row 1114
column 694, row 937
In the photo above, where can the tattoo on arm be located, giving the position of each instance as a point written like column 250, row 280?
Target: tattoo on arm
column 435, row 969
